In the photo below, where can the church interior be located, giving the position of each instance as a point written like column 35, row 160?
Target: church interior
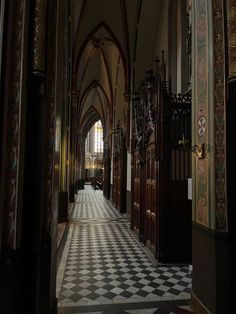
column 117, row 156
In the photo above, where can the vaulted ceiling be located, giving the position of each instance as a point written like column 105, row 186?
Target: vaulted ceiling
column 109, row 39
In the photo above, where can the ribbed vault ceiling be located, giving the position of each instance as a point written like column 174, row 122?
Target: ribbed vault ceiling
column 108, row 38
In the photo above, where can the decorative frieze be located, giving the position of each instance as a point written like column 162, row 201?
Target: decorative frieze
column 14, row 104
column 39, row 38
column 50, row 118
column 201, row 101
column 220, row 96
column 231, row 21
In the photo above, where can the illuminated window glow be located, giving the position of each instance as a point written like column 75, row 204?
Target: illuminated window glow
column 98, row 137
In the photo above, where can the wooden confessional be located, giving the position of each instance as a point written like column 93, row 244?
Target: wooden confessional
column 119, row 170
column 161, row 166
column 107, row 171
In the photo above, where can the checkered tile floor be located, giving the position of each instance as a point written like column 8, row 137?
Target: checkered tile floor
column 103, row 264
column 118, row 310
column 91, row 204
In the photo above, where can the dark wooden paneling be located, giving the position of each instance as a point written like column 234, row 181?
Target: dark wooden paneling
column 150, row 207
column 63, row 207
column 212, row 272
column 161, row 212
column 204, row 259
column 116, row 185
column 119, row 176
column 107, row 173
column 136, row 192
column 231, row 154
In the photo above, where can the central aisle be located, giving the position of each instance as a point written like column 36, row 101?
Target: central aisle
column 105, row 270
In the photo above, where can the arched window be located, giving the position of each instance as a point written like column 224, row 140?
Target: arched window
column 94, row 149
column 94, row 139
column 98, row 137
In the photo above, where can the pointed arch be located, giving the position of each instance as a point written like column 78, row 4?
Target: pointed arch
column 92, row 85
column 106, row 69
column 113, row 39
column 88, row 121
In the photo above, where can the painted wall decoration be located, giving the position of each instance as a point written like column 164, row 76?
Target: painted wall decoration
column 219, row 88
column 210, row 102
column 201, row 125
column 39, row 39
column 49, row 172
column 201, row 107
column 13, row 130
column 231, row 19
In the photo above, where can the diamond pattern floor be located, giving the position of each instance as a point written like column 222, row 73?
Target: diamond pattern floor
column 90, row 204
column 104, row 265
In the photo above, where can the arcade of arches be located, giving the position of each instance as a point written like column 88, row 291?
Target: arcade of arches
column 155, row 82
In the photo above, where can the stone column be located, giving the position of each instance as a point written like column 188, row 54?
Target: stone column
column 13, row 99
column 210, row 235
column 73, row 128
column 12, row 124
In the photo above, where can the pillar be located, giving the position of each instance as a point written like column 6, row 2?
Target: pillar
column 211, row 238
column 14, row 30
column 73, row 146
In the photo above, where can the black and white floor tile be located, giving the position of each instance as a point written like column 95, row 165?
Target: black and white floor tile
column 172, row 307
column 103, row 265
column 91, row 204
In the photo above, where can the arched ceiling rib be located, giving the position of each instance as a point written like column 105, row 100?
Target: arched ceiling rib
column 97, row 59
column 95, row 69
column 93, row 14
column 91, row 119
column 95, row 96
column 110, row 37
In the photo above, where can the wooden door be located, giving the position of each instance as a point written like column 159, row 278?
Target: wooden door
column 175, row 211
column 180, row 171
column 151, row 199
